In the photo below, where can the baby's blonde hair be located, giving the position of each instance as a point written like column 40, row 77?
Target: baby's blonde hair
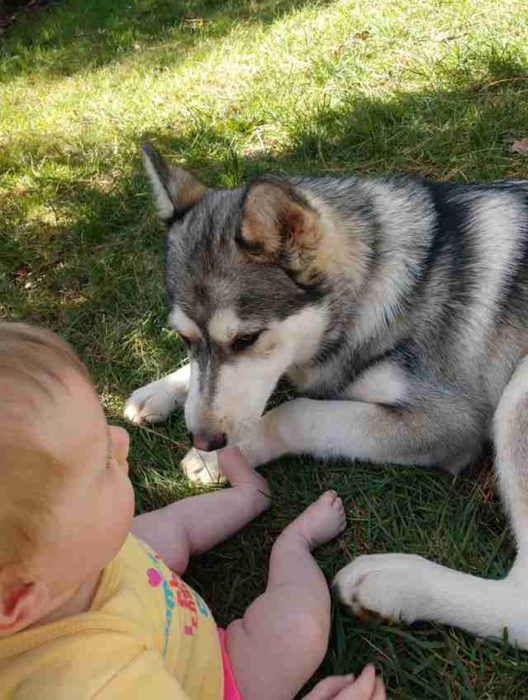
column 33, row 365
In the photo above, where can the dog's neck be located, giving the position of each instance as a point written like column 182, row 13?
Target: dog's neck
column 368, row 280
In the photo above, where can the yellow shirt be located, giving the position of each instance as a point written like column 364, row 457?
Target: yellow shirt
column 146, row 635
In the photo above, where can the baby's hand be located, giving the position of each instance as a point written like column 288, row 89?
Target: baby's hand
column 237, row 471
column 365, row 687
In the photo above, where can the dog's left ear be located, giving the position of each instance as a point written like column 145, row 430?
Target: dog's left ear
column 175, row 189
column 279, row 225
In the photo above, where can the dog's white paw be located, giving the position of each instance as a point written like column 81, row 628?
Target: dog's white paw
column 155, row 402
column 393, row 586
column 152, row 403
column 202, row 467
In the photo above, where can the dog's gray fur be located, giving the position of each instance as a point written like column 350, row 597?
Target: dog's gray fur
column 399, row 307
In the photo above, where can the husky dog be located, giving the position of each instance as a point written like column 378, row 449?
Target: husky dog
column 398, row 308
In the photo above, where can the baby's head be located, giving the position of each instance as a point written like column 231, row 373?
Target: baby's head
column 66, row 502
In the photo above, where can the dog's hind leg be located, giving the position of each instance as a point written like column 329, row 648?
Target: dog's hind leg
column 155, row 402
column 511, row 464
column 409, row 588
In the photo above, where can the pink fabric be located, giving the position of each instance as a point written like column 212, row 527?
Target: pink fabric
column 231, row 691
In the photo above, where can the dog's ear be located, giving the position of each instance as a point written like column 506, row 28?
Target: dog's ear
column 279, row 225
column 175, row 189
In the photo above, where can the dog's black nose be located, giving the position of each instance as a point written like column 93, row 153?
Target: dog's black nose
column 218, row 441
column 208, row 444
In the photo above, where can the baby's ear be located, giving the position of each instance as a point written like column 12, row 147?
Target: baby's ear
column 22, row 602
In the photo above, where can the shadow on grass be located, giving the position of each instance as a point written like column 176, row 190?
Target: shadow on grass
column 107, row 244
column 79, row 35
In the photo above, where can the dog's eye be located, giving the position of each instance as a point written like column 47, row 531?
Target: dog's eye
column 245, row 341
column 185, row 339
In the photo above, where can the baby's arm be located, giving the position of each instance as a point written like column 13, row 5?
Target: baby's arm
column 196, row 524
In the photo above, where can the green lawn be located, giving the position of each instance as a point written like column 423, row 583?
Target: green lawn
column 439, row 88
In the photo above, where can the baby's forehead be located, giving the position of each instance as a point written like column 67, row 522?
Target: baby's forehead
column 35, row 364
column 77, row 406
column 64, row 417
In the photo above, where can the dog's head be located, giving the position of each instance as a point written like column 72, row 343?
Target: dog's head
column 244, row 292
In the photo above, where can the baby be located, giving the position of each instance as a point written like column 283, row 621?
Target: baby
column 91, row 602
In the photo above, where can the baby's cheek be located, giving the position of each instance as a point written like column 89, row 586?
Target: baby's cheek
column 121, row 505
column 131, row 503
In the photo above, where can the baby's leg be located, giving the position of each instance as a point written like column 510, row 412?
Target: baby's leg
column 283, row 636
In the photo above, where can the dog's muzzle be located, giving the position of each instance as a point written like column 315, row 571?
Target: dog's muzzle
column 208, row 443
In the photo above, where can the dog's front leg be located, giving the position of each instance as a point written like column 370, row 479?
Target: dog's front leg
column 155, row 402
column 353, row 429
column 321, row 428
column 429, row 434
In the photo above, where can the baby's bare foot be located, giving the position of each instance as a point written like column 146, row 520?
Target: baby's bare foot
column 320, row 522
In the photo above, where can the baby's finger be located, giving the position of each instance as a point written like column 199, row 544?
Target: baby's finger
column 362, row 688
column 230, row 455
column 329, row 688
column 379, row 690
column 233, row 464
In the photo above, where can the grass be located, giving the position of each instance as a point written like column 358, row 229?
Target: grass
column 438, row 88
